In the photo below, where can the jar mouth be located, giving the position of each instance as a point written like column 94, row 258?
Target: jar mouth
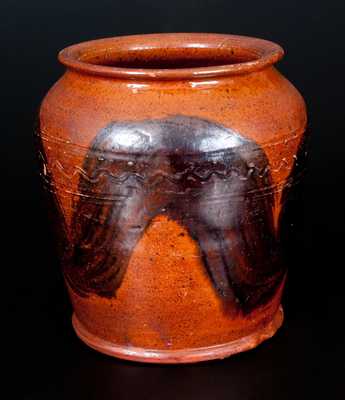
column 169, row 56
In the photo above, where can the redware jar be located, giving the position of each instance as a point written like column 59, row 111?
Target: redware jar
column 168, row 159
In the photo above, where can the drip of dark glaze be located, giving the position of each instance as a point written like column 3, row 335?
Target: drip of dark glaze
column 204, row 176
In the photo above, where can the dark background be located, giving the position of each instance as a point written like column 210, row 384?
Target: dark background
column 46, row 360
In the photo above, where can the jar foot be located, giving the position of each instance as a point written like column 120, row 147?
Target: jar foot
column 182, row 356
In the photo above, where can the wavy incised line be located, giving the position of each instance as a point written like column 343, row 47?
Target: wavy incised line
column 258, row 193
column 155, row 179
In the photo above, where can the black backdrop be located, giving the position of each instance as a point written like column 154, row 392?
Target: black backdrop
column 46, row 360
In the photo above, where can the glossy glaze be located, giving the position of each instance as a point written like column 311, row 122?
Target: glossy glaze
column 167, row 185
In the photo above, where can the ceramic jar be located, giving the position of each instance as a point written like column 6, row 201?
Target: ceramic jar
column 168, row 159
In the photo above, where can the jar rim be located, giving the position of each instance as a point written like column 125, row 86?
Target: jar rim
column 155, row 56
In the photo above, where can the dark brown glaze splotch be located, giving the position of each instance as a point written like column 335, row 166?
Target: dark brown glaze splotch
column 208, row 178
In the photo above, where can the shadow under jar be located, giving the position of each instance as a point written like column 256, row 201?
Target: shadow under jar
column 168, row 159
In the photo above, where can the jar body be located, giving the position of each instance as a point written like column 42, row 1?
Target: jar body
column 169, row 196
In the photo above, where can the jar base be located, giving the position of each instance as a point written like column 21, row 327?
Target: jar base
column 182, row 356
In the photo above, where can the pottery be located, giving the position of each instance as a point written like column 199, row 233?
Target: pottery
column 168, row 159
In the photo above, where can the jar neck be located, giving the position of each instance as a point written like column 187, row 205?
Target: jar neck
column 180, row 56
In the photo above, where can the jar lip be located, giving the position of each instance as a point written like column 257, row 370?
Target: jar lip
column 250, row 54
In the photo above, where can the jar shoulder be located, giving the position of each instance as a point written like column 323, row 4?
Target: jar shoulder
column 262, row 106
